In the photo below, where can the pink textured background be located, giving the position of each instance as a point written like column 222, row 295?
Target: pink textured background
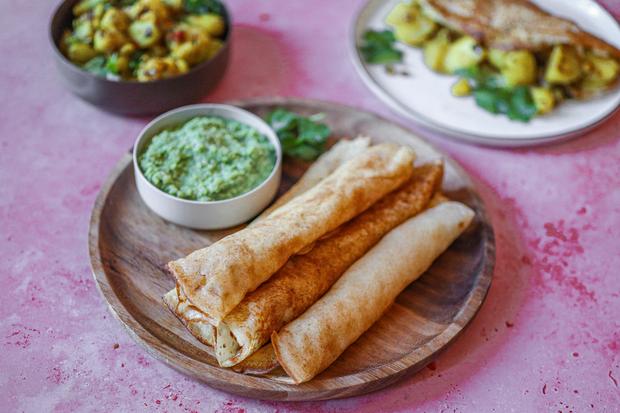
column 547, row 339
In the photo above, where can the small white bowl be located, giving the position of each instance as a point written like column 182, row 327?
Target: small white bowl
column 207, row 214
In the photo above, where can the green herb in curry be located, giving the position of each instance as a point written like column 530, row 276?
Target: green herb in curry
column 208, row 159
column 301, row 137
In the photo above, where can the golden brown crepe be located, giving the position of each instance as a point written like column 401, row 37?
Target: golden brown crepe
column 215, row 279
column 310, row 343
column 305, row 278
column 512, row 25
column 198, row 323
column 193, row 319
column 343, row 151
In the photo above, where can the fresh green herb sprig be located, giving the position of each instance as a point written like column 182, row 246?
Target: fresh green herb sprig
column 379, row 47
column 203, row 6
column 102, row 66
column 492, row 94
column 301, row 137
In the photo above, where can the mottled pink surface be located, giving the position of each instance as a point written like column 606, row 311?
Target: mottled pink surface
column 547, row 338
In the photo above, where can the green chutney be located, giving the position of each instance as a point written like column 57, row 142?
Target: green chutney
column 208, row 158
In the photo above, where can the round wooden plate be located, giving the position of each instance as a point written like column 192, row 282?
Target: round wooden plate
column 129, row 247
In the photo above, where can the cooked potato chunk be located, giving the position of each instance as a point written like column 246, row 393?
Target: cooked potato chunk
column 461, row 88
column 543, row 98
column 463, row 53
column 564, row 66
column 84, row 31
column 410, row 25
column 401, row 13
column 107, row 41
column 159, row 68
column 144, row 33
column 212, row 23
column 80, row 52
column 114, row 19
column 85, row 6
column 174, row 4
column 435, row 51
column 518, row 67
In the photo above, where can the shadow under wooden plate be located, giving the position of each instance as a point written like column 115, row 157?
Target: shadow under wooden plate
column 129, row 246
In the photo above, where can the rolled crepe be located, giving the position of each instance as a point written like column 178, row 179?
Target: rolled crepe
column 310, row 343
column 215, row 279
column 305, row 278
column 195, row 320
column 343, row 151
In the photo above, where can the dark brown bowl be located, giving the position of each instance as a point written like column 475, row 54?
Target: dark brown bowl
column 131, row 97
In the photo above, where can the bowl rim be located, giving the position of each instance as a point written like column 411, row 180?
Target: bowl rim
column 59, row 54
column 271, row 136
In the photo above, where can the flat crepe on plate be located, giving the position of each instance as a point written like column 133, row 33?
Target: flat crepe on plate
column 512, row 25
column 312, row 342
column 305, row 278
column 343, row 151
column 215, row 279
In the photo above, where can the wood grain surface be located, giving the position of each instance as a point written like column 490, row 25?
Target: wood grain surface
column 129, row 246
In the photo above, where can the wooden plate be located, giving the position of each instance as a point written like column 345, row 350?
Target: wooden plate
column 129, row 247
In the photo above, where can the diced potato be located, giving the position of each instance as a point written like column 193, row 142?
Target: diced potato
column 564, row 66
column 604, row 69
column 159, row 68
column 414, row 33
column 144, row 33
column 175, row 5
column 213, row 24
column 80, row 52
column 84, row 31
column 518, row 67
column 543, row 98
column 410, row 25
column 115, row 19
column 496, row 57
column 158, row 7
column 435, row 51
column 85, row 6
column 461, row 88
column 107, row 41
column 463, row 53
column 401, row 13
column 127, row 49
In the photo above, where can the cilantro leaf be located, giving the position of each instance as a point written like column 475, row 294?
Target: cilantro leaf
column 492, row 94
column 96, row 65
column 301, row 137
column 378, row 47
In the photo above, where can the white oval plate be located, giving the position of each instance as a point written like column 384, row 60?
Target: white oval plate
column 424, row 96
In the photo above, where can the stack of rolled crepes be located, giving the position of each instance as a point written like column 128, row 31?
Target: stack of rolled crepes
column 358, row 227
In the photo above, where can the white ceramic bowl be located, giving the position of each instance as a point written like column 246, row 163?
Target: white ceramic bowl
column 207, row 214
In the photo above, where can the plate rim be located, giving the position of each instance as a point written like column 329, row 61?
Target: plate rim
column 455, row 134
column 333, row 387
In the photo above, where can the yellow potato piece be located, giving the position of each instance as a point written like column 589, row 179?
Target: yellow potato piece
column 461, row 88
column 463, row 53
column 435, row 51
column 543, row 98
column 564, row 66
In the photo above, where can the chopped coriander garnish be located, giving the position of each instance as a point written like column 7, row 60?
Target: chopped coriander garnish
column 378, row 47
column 301, row 137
